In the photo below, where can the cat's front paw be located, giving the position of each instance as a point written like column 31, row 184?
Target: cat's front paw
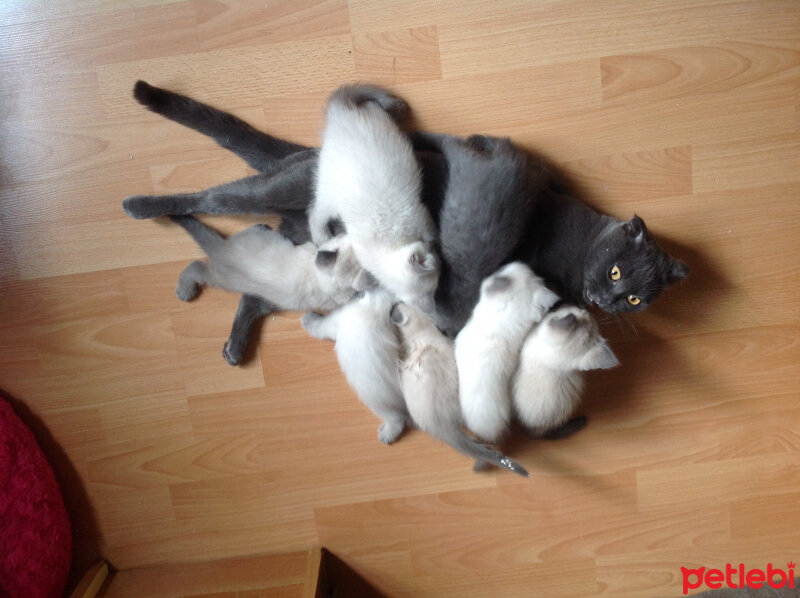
column 141, row 207
column 388, row 432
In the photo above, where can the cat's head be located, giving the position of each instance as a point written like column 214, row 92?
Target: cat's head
column 515, row 285
column 412, row 274
column 626, row 269
column 337, row 261
column 568, row 339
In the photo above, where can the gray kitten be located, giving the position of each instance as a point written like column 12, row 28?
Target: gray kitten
column 260, row 261
column 547, row 386
column 429, row 379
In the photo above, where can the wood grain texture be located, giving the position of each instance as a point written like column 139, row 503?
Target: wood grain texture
column 686, row 113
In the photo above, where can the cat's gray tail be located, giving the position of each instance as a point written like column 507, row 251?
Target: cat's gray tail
column 356, row 95
column 258, row 149
column 480, row 452
column 206, row 237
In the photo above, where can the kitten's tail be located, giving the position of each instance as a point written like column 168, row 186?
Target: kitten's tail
column 206, row 237
column 480, row 452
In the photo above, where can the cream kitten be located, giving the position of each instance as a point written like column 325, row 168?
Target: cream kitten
column 548, row 384
column 368, row 351
column 261, row 261
column 369, row 179
column 487, row 348
column 429, row 381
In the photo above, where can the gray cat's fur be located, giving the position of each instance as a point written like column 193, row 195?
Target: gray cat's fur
column 429, row 379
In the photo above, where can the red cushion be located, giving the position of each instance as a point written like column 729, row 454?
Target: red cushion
column 35, row 538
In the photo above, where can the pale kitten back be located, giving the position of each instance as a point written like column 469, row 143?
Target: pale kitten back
column 261, row 261
column 429, row 381
column 487, row 348
column 369, row 179
column 548, row 385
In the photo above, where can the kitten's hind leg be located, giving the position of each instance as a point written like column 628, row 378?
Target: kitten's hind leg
column 290, row 189
column 191, row 280
column 258, row 149
column 251, row 309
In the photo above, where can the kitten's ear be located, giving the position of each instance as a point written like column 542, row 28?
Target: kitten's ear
column 423, row 261
column 600, row 357
column 398, row 315
column 325, row 259
column 498, row 284
column 364, row 280
column 566, row 323
column 676, row 271
column 635, row 228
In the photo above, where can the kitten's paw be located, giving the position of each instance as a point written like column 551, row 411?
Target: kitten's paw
column 388, row 432
column 309, row 318
column 141, row 207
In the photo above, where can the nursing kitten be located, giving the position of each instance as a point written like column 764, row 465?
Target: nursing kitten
column 368, row 351
column 429, row 379
column 547, row 386
column 487, row 349
column 368, row 177
column 260, row 261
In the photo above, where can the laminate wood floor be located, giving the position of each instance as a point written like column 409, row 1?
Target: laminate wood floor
column 684, row 112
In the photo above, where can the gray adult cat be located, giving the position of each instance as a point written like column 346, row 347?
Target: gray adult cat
column 511, row 209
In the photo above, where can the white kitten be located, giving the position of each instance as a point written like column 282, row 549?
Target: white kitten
column 548, row 384
column 261, row 261
column 429, row 380
column 369, row 179
column 488, row 347
column 369, row 352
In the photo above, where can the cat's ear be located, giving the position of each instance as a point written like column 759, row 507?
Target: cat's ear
column 325, row 259
column 498, row 283
column 398, row 315
column 676, row 271
column 567, row 323
column 364, row 280
column 635, row 229
column 423, row 261
column 599, row 357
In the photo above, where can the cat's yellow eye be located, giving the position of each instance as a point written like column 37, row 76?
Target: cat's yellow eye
column 634, row 300
column 614, row 273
